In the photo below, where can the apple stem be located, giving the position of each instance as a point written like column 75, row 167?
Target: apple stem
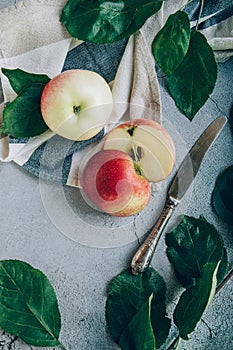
column 131, row 130
column 76, row 109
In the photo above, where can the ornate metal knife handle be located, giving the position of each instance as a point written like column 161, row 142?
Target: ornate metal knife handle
column 142, row 258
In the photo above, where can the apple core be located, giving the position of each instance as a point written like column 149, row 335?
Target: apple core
column 148, row 144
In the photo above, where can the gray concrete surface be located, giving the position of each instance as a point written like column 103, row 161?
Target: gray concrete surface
column 80, row 273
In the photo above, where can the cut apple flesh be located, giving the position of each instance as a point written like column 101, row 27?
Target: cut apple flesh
column 151, row 147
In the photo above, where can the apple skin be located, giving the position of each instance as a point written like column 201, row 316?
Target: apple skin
column 110, row 182
column 148, row 143
column 76, row 104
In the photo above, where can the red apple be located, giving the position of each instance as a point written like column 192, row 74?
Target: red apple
column 76, row 104
column 148, row 143
column 112, row 182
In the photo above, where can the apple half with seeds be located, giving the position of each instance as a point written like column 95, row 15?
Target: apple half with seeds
column 111, row 181
column 148, row 144
column 76, row 104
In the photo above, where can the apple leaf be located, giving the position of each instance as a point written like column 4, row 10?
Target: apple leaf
column 194, row 301
column 28, row 304
column 19, row 79
column 130, row 340
column 106, row 21
column 192, row 244
column 194, row 79
column 222, row 197
column 172, row 41
column 135, row 306
column 22, row 117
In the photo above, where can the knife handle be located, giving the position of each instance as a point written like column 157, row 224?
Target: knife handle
column 142, row 258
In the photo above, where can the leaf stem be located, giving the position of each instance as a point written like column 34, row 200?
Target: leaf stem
column 224, row 281
column 174, row 343
column 227, row 278
column 62, row 346
column 177, row 343
column 200, row 13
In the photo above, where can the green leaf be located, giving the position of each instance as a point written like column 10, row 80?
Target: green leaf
column 19, row 79
column 195, row 300
column 194, row 79
column 172, row 41
column 222, row 197
column 129, row 295
column 144, row 341
column 190, row 245
column 28, row 304
column 106, row 21
column 160, row 323
column 22, row 117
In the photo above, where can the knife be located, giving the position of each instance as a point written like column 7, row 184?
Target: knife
column 177, row 189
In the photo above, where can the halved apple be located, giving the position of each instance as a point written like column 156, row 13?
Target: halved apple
column 149, row 145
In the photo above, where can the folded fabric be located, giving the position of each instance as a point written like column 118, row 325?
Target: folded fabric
column 37, row 42
column 135, row 84
column 35, row 39
column 216, row 24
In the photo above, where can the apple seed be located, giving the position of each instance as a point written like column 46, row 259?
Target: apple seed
column 136, row 153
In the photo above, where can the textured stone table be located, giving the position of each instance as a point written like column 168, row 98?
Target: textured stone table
column 80, row 273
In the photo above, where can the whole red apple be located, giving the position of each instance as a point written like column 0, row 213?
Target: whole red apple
column 112, row 182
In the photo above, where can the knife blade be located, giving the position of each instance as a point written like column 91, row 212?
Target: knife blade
column 177, row 189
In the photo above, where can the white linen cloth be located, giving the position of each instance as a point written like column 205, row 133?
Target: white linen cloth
column 33, row 39
column 39, row 43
